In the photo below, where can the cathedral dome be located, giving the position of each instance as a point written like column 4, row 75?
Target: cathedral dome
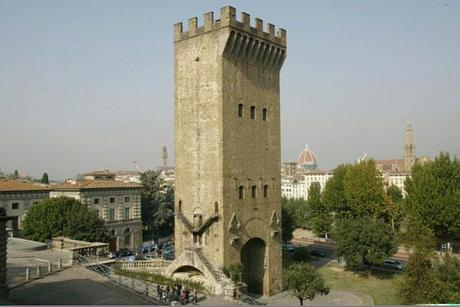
column 307, row 160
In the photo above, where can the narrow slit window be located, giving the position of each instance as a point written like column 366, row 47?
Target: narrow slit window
column 265, row 191
column 241, row 192
column 240, row 110
column 264, row 114
column 253, row 112
column 253, row 191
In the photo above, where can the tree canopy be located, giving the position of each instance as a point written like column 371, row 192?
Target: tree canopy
column 433, row 195
column 320, row 218
column 334, row 193
column 304, row 281
column 157, row 210
column 419, row 284
column 45, row 179
column 364, row 241
column 63, row 216
column 364, row 192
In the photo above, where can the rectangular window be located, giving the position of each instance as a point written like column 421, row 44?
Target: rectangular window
column 15, row 206
column 253, row 112
column 253, row 191
column 126, row 213
column 112, row 200
column 265, row 191
column 264, row 114
column 111, row 214
column 126, row 199
column 240, row 110
column 97, row 213
column 96, row 201
column 241, row 192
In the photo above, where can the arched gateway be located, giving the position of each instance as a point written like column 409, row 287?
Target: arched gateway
column 253, row 265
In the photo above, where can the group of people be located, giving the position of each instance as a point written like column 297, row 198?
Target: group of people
column 176, row 295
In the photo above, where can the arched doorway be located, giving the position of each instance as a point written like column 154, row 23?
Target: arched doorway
column 253, row 263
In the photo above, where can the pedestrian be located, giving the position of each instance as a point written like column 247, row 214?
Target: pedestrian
column 195, row 296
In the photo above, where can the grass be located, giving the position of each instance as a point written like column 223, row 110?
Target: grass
column 381, row 286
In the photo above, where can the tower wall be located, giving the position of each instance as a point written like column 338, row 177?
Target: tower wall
column 219, row 66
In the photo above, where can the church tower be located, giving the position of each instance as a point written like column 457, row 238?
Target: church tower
column 409, row 149
column 227, row 149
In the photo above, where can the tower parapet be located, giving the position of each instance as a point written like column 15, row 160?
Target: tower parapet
column 228, row 19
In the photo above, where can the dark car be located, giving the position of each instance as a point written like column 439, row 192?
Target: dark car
column 124, row 252
column 317, row 253
column 393, row 265
column 289, row 247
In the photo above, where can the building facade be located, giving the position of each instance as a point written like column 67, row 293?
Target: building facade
column 117, row 203
column 227, row 142
column 17, row 197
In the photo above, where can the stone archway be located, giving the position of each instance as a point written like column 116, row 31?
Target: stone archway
column 253, row 264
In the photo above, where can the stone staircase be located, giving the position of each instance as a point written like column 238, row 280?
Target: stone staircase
column 184, row 221
column 200, row 229
column 215, row 273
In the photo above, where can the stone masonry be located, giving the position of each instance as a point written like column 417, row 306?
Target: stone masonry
column 227, row 142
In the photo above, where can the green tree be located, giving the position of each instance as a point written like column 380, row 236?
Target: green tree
column 320, row 218
column 334, row 193
column 417, row 236
column 304, row 281
column 63, row 216
column 45, row 179
column 419, row 284
column 15, row 174
column 363, row 186
column 364, row 241
column 393, row 200
column 233, row 272
column 433, row 195
column 157, row 210
column 298, row 210
column 448, row 271
column 287, row 225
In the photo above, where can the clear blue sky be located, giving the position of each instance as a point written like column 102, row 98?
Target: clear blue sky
column 89, row 84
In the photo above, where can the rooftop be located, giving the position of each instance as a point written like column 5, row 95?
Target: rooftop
column 9, row 185
column 96, row 184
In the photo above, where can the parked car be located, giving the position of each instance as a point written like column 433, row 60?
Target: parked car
column 289, row 247
column 112, row 255
column 124, row 252
column 393, row 265
column 317, row 253
column 149, row 257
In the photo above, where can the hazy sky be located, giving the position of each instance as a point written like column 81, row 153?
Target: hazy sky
column 89, row 84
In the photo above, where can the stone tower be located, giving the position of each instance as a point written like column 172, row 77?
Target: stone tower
column 164, row 156
column 227, row 142
column 409, row 149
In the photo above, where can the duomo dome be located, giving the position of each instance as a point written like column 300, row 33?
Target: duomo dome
column 307, row 160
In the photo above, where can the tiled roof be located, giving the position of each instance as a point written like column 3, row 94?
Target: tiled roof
column 99, row 173
column 96, row 184
column 9, row 185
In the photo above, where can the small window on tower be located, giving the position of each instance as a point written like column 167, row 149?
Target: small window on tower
column 241, row 192
column 265, row 191
column 240, row 110
column 264, row 114
column 253, row 191
column 253, row 112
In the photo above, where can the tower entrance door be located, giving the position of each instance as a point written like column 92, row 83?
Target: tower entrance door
column 253, row 263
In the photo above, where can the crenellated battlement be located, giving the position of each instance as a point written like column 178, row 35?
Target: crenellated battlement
column 228, row 19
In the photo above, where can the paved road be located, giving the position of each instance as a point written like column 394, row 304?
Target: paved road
column 74, row 286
